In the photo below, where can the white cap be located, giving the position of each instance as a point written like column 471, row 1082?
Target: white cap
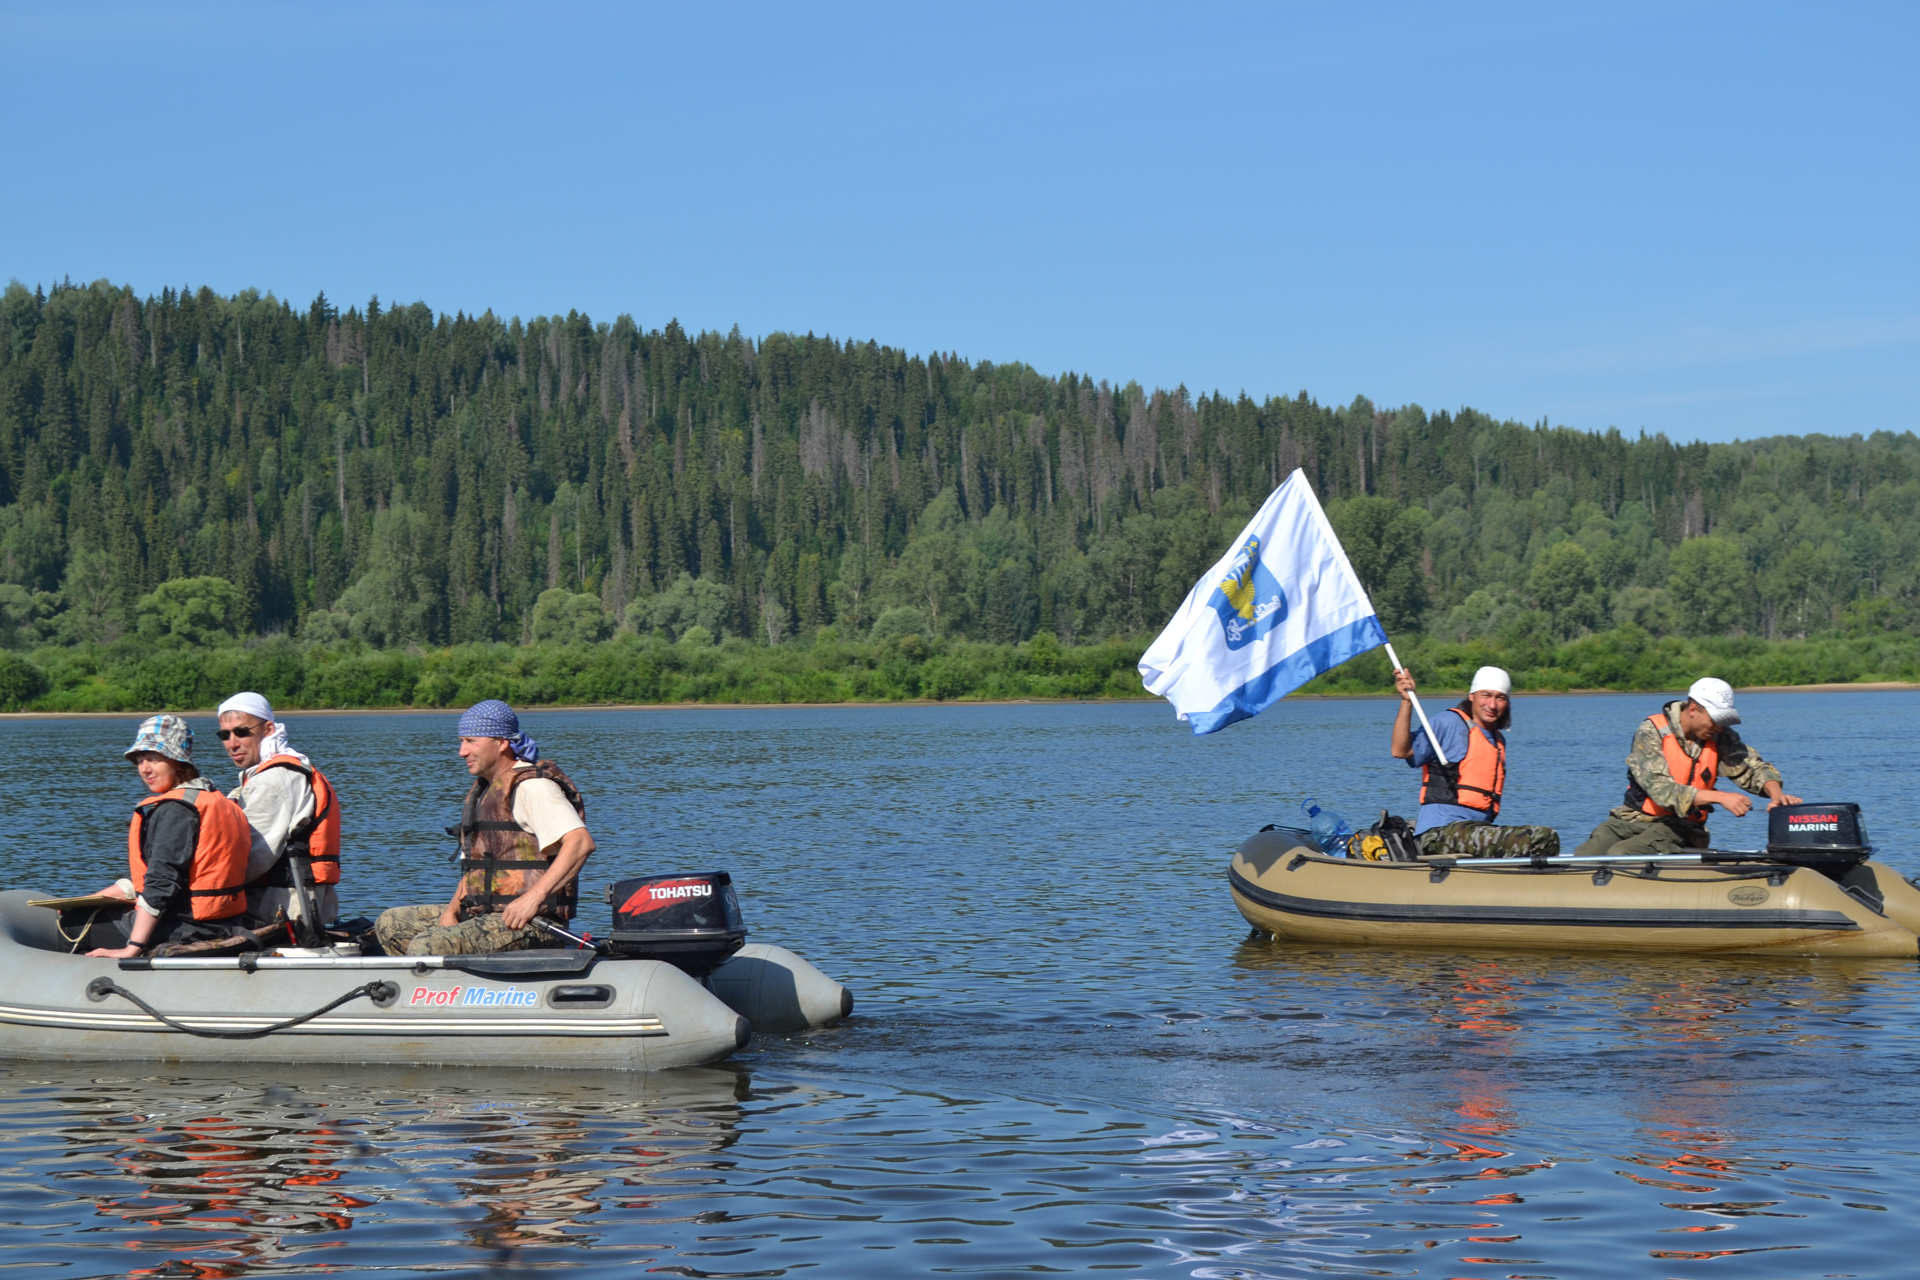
column 1716, row 699
column 1491, row 679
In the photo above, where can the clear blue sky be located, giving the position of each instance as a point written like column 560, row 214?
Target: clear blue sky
column 1691, row 218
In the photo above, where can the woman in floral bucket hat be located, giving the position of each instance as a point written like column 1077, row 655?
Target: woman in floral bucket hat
column 186, row 848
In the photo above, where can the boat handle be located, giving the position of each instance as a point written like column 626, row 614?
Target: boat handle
column 382, row 994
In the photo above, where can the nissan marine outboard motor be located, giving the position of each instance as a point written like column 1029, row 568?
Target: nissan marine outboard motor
column 1828, row 837
column 692, row 921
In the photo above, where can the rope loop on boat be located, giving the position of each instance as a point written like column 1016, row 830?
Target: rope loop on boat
column 381, row 993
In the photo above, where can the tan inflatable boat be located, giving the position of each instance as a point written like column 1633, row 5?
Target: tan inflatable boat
column 1725, row 903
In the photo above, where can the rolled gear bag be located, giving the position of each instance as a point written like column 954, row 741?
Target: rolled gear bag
column 1390, row 839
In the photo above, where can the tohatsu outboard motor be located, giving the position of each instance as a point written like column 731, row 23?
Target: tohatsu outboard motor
column 1829, row 837
column 692, row 921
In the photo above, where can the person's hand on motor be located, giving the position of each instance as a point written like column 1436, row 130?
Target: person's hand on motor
column 1777, row 796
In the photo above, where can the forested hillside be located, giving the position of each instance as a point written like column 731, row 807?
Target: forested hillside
column 190, row 469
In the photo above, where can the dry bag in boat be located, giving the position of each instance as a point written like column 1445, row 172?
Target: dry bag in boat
column 692, row 921
column 1389, row 840
column 1817, row 835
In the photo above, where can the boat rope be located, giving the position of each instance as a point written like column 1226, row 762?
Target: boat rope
column 378, row 992
column 59, row 923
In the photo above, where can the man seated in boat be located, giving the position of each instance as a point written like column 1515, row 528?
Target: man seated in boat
column 186, row 850
column 295, row 818
column 523, row 838
column 1459, row 800
column 1678, row 755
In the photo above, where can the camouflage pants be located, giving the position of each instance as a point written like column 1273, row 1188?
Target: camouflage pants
column 1626, row 838
column 417, row 931
column 1485, row 840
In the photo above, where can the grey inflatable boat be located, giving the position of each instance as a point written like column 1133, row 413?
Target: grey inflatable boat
column 549, row 1008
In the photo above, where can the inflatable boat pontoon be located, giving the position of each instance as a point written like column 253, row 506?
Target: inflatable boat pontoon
column 544, row 1008
column 1753, row 903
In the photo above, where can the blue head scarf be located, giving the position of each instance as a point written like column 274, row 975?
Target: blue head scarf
column 495, row 719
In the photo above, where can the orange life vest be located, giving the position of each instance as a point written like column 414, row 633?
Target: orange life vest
column 1473, row 783
column 217, row 883
column 318, row 838
column 1685, row 770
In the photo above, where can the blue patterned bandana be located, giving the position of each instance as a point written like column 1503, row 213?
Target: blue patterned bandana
column 495, row 719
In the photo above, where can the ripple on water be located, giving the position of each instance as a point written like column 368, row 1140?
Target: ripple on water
column 706, row 1173
column 1065, row 1059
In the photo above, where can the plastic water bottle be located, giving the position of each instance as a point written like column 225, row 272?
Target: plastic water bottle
column 1330, row 830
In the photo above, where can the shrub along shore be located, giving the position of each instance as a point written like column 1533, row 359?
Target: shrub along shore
column 636, row 669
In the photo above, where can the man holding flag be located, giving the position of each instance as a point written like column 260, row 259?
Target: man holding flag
column 1460, row 800
column 1283, row 606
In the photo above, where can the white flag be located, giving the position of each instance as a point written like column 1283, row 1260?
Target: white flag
column 1278, row 609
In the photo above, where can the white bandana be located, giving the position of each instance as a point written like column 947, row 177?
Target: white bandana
column 275, row 743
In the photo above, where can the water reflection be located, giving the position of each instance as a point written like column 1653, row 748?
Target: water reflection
column 1065, row 1057
column 224, row 1177
column 712, row 1174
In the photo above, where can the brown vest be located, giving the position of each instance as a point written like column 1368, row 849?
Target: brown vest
column 498, row 860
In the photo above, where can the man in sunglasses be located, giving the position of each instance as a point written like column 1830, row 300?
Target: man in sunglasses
column 295, row 861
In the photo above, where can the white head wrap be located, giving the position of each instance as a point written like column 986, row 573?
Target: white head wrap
column 1491, row 679
column 275, row 743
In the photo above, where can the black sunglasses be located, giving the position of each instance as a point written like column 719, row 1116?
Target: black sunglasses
column 224, row 734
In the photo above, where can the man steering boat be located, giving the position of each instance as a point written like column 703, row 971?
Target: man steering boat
column 1678, row 755
column 523, row 839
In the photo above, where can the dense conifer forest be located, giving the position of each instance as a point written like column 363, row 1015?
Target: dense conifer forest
column 382, row 504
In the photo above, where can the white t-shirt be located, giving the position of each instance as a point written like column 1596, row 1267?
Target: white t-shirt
column 541, row 808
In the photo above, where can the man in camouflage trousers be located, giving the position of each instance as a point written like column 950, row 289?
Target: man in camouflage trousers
column 422, row 931
column 1673, row 766
column 523, row 840
column 1489, row 840
column 1460, row 799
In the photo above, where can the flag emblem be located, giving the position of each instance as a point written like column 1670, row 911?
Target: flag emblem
column 1280, row 607
column 1248, row 599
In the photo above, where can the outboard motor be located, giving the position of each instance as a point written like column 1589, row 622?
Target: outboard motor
column 692, row 921
column 1828, row 837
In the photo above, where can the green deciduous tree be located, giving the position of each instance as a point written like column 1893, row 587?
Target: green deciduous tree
column 564, row 617
column 92, row 592
column 1385, row 542
column 398, row 599
column 196, row 611
column 1564, row 586
column 1711, row 586
column 687, row 602
column 26, row 617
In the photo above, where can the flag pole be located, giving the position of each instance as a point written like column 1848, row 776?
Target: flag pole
column 1418, row 710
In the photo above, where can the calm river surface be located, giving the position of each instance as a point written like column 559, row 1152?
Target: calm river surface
column 1066, row 1057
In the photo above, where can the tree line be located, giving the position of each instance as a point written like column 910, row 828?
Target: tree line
column 191, row 469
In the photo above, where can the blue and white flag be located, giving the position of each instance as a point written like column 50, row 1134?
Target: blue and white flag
column 1280, row 608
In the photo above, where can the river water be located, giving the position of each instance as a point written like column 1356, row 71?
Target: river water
column 1066, row 1056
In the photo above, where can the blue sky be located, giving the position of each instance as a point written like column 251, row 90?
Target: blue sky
column 1690, row 218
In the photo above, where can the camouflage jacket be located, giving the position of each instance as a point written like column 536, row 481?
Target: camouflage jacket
column 1739, row 764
